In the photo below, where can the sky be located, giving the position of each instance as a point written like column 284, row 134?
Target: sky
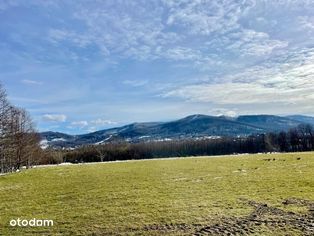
column 80, row 66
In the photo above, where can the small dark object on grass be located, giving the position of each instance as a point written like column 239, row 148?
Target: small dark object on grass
column 299, row 158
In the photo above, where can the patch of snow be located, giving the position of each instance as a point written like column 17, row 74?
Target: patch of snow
column 194, row 117
column 163, row 139
column 208, row 137
column 123, row 129
column 58, row 139
column 102, row 141
column 44, row 144
column 65, row 164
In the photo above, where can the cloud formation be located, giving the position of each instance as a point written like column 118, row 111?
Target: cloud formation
column 287, row 79
column 31, row 82
column 93, row 125
column 156, row 60
column 101, row 122
column 80, row 124
column 54, row 117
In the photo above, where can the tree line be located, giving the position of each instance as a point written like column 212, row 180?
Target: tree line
column 297, row 139
column 19, row 141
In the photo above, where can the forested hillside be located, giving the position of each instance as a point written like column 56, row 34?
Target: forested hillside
column 296, row 139
column 191, row 127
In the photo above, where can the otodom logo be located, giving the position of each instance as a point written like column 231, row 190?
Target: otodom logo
column 32, row 222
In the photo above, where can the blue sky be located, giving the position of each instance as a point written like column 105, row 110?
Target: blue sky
column 79, row 66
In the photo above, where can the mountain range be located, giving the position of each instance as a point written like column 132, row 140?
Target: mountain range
column 195, row 126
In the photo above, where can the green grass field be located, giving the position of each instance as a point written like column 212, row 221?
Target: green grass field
column 154, row 197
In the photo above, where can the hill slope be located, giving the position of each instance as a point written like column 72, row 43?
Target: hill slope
column 194, row 126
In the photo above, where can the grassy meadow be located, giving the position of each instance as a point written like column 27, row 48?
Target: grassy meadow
column 155, row 197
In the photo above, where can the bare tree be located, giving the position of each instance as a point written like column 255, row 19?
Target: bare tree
column 19, row 141
column 4, row 119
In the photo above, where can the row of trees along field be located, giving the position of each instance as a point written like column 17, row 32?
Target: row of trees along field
column 297, row 139
column 19, row 142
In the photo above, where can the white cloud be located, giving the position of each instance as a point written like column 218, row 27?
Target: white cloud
column 31, row 82
column 286, row 80
column 92, row 125
column 177, row 30
column 81, row 124
column 206, row 17
column 56, row 35
column 54, row 117
column 250, row 42
column 182, row 53
column 101, row 122
column 128, row 29
column 306, row 22
column 234, row 43
column 135, row 83
column 223, row 112
column 139, row 30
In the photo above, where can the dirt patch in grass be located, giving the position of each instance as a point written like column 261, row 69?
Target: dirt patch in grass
column 173, row 228
column 264, row 215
